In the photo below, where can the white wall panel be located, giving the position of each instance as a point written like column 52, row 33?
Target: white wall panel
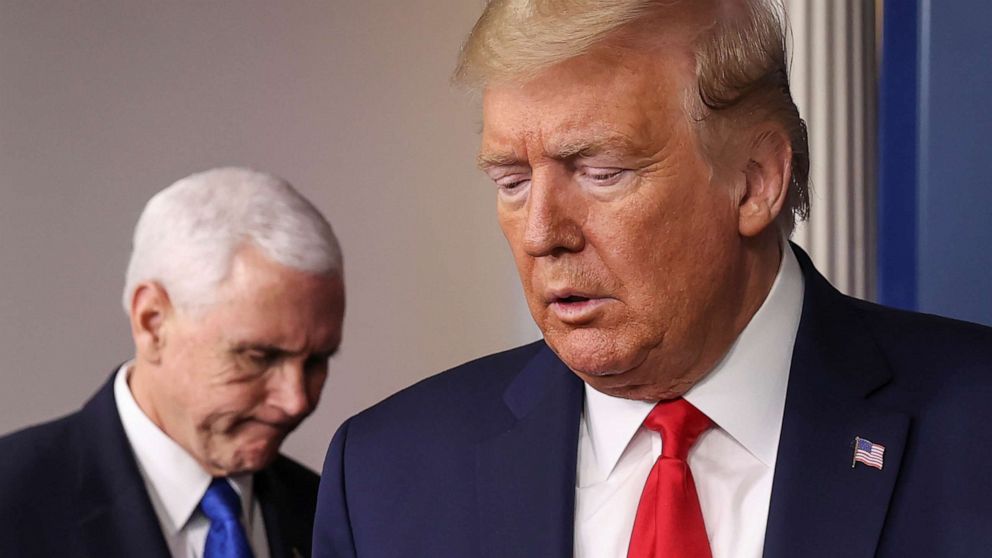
column 833, row 81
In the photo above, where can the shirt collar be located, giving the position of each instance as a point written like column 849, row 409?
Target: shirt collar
column 611, row 423
column 744, row 394
column 176, row 478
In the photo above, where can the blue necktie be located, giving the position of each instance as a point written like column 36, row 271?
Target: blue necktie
column 226, row 538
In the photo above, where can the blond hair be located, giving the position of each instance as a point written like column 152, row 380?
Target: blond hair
column 741, row 64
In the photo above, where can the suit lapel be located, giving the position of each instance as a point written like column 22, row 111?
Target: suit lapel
column 820, row 505
column 526, row 473
column 116, row 515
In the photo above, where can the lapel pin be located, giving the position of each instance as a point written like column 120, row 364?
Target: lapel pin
column 868, row 453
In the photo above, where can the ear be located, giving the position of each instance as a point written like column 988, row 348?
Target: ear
column 150, row 311
column 767, row 174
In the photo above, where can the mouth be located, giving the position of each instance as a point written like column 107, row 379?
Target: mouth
column 568, row 295
column 276, row 427
column 574, row 307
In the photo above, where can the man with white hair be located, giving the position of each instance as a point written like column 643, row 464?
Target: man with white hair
column 700, row 389
column 235, row 296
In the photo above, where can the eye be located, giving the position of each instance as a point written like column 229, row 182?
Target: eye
column 259, row 357
column 509, row 179
column 513, row 186
column 512, row 182
column 602, row 176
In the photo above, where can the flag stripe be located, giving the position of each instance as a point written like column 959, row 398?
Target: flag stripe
column 869, row 453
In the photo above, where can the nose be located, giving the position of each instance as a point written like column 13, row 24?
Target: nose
column 288, row 391
column 551, row 226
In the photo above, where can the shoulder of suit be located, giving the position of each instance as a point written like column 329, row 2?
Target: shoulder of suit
column 484, row 376
column 38, row 441
column 934, row 354
column 455, row 396
column 941, row 334
column 39, row 455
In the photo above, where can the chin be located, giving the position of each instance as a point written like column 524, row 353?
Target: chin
column 595, row 353
column 251, row 461
column 639, row 392
column 249, row 457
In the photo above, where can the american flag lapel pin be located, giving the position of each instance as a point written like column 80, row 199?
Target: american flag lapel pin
column 868, row 453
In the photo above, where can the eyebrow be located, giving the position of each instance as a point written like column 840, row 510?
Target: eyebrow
column 275, row 349
column 595, row 146
column 564, row 151
column 493, row 159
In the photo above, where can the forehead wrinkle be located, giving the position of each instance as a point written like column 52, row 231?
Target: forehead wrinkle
column 529, row 136
column 506, row 150
column 498, row 149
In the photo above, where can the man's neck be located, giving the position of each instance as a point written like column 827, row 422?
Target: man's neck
column 138, row 380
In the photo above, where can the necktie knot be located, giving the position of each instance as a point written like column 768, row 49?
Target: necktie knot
column 226, row 537
column 680, row 425
column 221, row 502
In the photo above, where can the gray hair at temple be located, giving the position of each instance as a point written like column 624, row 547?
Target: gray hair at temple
column 189, row 233
column 740, row 60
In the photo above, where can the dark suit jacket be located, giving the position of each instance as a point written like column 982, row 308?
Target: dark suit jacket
column 72, row 487
column 481, row 460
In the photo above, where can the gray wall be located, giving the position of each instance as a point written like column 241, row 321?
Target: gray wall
column 104, row 103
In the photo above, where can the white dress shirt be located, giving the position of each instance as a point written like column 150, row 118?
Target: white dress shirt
column 175, row 482
column 732, row 463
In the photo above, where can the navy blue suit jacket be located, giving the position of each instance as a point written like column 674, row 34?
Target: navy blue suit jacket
column 72, row 488
column 481, row 460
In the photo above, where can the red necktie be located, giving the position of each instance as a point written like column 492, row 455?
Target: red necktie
column 669, row 523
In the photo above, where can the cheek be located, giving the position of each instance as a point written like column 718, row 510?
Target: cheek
column 195, row 367
column 223, row 407
column 512, row 225
column 634, row 245
column 670, row 224
column 508, row 220
column 184, row 381
column 658, row 250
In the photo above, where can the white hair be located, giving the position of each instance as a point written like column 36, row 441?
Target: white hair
column 189, row 233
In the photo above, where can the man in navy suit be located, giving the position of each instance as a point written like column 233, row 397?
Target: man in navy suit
column 700, row 389
column 235, row 297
